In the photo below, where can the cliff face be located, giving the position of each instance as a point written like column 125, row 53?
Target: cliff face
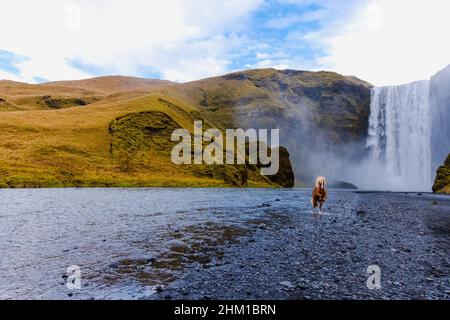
column 442, row 182
column 317, row 112
column 285, row 176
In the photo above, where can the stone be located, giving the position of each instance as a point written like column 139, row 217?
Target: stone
column 287, row 284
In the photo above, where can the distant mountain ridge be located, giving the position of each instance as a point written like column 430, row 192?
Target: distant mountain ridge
column 112, row 84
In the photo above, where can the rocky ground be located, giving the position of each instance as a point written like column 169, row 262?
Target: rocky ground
column 297, row 255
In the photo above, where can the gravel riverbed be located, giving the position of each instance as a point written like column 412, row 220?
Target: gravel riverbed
column 285, row 254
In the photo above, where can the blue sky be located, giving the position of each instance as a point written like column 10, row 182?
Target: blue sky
column 183, row 40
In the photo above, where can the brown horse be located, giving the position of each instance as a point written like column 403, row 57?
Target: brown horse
column 319, row 193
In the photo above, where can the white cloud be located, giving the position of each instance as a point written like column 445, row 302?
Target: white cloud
column 384, row 42
column 381, row 41
column 281, row 63
column 269, row 63
column 392, row 42
column 177, row 38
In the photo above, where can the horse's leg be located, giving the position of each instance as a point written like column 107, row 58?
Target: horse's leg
column 314, row 205
column 321, row 206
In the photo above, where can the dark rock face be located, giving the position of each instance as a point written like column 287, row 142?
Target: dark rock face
column 324, row 100
column 344, row 185
column 285, row 176
column 442, row 182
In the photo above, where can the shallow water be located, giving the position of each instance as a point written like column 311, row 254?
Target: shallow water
column 113, row 234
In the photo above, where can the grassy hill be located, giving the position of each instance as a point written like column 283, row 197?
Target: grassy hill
column 110, row 84
column 118, row 136
column 115, row 131
column 442, row 181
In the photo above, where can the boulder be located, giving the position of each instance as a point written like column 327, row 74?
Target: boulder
column 343, row 185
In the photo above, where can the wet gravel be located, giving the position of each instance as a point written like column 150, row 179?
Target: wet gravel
column 290, row 254
column 175, row 243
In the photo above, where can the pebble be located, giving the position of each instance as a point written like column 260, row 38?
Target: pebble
column 287, row 284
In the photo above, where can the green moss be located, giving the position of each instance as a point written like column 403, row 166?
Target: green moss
column 3, row 184
column 62, row 102
column 442, row 181
column 138, row 132
column 135, row 136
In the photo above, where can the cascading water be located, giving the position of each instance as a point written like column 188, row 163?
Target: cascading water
column 399, row 135
column 408, row 137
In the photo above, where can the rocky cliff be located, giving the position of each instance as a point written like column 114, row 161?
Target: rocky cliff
column 320, row 114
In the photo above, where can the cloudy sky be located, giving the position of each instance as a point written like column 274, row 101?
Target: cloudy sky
column 381, row 41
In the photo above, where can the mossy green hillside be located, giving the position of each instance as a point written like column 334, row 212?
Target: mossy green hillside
column 442, row 181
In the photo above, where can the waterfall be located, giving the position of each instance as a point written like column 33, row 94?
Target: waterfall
column 399, row 136
column 408, row 135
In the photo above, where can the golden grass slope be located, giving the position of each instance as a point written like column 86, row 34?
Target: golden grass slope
column 111, row 84
column 67, row 143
